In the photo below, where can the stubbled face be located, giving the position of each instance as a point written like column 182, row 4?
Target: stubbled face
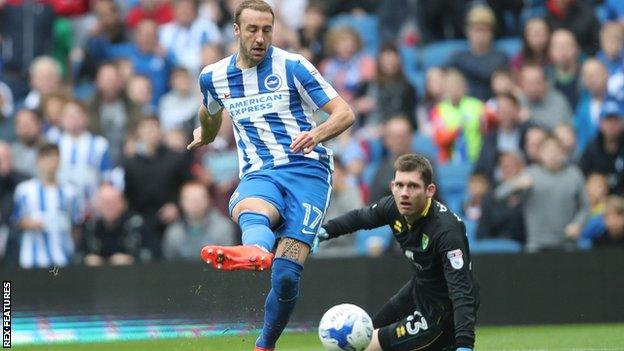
column 255, row 33
column 410, row 193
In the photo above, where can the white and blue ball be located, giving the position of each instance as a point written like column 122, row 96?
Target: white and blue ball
column 345, row 327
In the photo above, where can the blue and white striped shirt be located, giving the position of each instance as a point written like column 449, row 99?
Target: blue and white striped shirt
column 57, row 207
column 269, row 104
column 85, row 162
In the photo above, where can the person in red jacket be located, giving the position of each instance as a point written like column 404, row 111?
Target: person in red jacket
column 157, row 10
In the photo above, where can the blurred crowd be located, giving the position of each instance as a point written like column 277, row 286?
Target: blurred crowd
column 519, row 104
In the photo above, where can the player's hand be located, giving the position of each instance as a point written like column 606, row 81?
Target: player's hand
column 573, row 231
column 305, row 142
column 321, row 235
column 199, row 139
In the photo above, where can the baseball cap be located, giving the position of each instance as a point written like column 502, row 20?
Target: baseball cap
column 611, row 107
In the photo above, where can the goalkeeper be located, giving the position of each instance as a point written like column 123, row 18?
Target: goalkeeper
column 437, row 308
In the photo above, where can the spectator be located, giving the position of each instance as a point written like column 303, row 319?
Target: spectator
column 605, row 154
column 443, row 19
column 211, row 54
column 177, row 140
column 597, row 192
column 345, row 197
column 45, row 78
column 347, row 68
column 555, row 203
column 535, row 42
column 9, row 179
column 502, row 83
column 434, row 94
column 109, row 30
column 26, row 31
column 113, row 236
column 390, row 94
column 507, row 137
column 587, row 116
column 397, row 138
column 564, row 132
column 503, row 218
column 45, row 212
column 201, row 224
column 178, row 108
column 547, row 106
column 146, row 56
column 112, row 113
column 6, row 101
column 312, row 32
column 140, row 93
column 156, row 10
column 565, row 71
column 481, row 60
column 611, row 53
column 478, row 186
column 29, row 139
column 154, row 198
column 578, row 17
column 533, row 137
column 457, row 122
column 613, row 234
column 184, row 37
column 85, row 157
column 52, row 108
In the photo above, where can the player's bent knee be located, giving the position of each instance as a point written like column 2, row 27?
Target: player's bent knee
column 285, row 278
column 256, row 205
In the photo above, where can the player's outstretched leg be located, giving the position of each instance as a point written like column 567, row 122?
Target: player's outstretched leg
column 282, row 298
column 254, row 254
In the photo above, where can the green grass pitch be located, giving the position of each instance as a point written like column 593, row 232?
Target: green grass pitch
column 597, row 337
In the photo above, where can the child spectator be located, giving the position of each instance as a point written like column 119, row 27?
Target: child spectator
column 457, row 121
column 564, row 132
column 46, row 212
column 478, row 186
column 614, row 223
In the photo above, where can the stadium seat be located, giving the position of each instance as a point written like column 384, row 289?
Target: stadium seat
column 453, row 181
column 438, row 54
column 424, row 145
column 495, row 246
column 510, row 46
column 366, row 26
column 365, row 239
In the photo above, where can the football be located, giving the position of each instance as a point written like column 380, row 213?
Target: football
column 345, row 327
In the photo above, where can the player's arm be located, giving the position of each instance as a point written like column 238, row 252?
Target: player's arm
column 461, row 286
column 369, row 217
column 209, row 125
column 341, row 117
column 319, row 94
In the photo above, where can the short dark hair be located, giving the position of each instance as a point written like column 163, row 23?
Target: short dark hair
column 415, row 162
column 47, row 149
column 256, row 5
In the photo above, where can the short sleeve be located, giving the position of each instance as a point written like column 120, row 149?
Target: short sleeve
column 210, row 99
column 312, row 86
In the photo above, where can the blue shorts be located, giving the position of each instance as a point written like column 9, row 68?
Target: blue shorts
column 299, row 191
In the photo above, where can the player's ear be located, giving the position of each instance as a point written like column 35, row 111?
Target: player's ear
column 391, row 185
column 237, row 30
column 431, row 190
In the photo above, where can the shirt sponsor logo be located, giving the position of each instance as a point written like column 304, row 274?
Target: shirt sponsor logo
column 456, row 257
column 261, row 104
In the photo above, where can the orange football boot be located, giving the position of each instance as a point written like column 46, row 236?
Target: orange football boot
column 241, row 257
column 258, row 348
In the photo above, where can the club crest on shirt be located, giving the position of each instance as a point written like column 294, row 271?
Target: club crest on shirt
column 273, row 82
column 425, row 241
column 456, row 257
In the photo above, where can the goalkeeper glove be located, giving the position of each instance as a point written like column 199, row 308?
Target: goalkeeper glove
column 321, row 235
